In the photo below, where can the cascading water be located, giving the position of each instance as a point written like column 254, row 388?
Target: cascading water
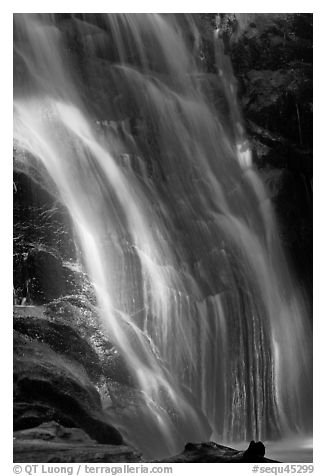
column 175, row 226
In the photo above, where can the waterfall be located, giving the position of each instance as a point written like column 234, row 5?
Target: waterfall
column 177, row 232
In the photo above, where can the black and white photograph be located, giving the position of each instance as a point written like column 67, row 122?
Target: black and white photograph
column 162, row 240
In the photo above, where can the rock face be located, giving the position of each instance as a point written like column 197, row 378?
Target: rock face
column 66, row 370
column 61, row 339
column 49, row 386
column 45, row 262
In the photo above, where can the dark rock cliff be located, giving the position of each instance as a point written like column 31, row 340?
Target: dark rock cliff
column 272, row 60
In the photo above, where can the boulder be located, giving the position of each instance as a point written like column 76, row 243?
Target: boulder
column 213, row 453
column 254, row 451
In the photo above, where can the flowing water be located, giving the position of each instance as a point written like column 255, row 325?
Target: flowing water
column 176, row 229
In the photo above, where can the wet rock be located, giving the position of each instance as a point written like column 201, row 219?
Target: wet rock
column 62, row 339
column 52, row 431
column 43, row 235
column 45, row 280
column 45, row 260
column 214, row 453
column 78, row 312
column 51, row 387
column 61, row 353
column 77, row 283
column 53, row 443
column 39, row 216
